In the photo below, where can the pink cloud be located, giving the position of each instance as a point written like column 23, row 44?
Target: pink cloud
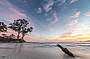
column 75, row 15
column 14, row 9
column 72, row 1
column 17, row 12
column 55, row 19
column 9, row 32
column 10, row 12
column 72, row 22
column 87, row 14
column 48, row 6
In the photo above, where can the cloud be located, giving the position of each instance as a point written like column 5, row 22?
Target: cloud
column 9, row 32
column 73, row 35
column 60, row 2
column 10, row 12
column 48, row 6
column 79, row 26
column 66, row 35
column 72, row 22
column 39, row 10
column 87, row 14
column 55, row 19
column 72, row 1
column 76, row 15
column 69, row 37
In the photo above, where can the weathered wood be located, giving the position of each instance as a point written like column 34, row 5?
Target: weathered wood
column 65, row 50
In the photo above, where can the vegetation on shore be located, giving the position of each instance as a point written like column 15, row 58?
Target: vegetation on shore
column 20, row 26
column 10, row 40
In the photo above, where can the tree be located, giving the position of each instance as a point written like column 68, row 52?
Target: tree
column 26, row 30
column 20, row 25
column 3, row 27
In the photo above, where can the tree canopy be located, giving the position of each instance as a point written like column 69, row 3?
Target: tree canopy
column 20, row 26
column 3, row 27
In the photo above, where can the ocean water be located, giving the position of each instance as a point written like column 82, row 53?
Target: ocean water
column 44, row 50
column 75, row 45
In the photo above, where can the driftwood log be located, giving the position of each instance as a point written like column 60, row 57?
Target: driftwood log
column 65, row 50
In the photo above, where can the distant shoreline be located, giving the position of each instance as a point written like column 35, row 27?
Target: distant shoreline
column 11, row 40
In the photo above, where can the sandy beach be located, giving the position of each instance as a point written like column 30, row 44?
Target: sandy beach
column 38, row 51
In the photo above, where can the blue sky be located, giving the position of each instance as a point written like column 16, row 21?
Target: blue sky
column 50, row 18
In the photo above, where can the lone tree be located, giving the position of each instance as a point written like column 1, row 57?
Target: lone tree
column 19, row 25
column 3, row 27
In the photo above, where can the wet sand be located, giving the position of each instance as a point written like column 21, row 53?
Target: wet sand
column 26, row 51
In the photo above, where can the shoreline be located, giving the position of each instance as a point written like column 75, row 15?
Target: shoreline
column 38, row 51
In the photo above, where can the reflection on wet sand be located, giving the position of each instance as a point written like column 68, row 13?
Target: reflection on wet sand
column 68, row 57
column 30, row 51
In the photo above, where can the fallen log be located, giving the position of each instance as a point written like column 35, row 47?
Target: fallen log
column 66, row 51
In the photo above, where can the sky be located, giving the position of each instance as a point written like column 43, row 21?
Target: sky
column 52, row 20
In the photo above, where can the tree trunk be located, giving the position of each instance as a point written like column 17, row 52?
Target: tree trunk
column 18, row 35
column 23, row 36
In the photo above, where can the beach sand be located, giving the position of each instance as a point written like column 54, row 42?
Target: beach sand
column 32, row 51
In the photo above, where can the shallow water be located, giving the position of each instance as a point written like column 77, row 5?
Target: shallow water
column 46, row 50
